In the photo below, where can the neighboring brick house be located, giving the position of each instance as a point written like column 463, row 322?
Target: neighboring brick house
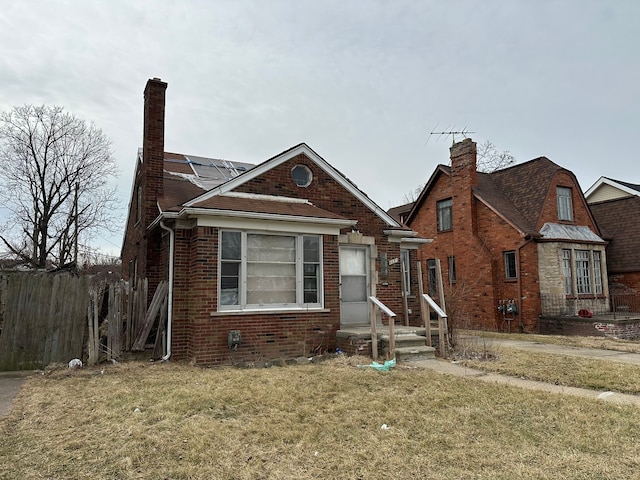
column 283, row 253
column 616, row 207
column 519, row 237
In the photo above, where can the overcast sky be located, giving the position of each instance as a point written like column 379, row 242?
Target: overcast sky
column 362, row 82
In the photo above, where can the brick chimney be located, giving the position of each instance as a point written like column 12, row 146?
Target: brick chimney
column 464, row 176
column 153, row 147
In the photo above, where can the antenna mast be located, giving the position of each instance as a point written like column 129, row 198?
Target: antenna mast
column 464, row 132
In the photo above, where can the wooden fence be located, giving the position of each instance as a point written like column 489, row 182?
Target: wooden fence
column 53, row 318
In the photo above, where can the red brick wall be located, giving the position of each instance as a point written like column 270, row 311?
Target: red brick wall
column 149, row 178
column 628, row 282
column 581, row 214
column 324, row 192
column 201, row 337
column 477, row 241
column 200, row 332
column 626, row 329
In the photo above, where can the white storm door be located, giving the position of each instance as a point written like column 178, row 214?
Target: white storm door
column 354, row 286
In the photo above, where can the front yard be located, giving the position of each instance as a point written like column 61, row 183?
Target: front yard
column 327, row 420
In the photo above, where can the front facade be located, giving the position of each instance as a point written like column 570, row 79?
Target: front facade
column 512, row 245
column 263, row 262
column 616, row 207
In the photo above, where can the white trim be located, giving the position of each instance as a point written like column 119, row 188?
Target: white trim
column 416, row 241
column 271, row 222
column 299, row 263
column 400, row 233
column 270, row 198
column 284, row 157
column 612, row 183
column 267, row 225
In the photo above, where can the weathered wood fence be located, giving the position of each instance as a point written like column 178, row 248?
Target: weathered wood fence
column 53, row 318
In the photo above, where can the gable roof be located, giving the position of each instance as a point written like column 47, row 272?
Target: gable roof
column 401, row 210
column 516, row 194
column 620, row 218
column 292, row 152
column 622, row 188
column 201, row 185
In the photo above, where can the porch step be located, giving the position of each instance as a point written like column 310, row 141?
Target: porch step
column 409, row 346
column 405, row 340
column 408, row 354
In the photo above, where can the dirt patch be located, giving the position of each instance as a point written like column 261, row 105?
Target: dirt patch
column 9, row 387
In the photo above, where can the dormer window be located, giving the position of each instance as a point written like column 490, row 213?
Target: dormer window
column 565, row 206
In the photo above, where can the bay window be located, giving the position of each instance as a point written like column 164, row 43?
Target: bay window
column 582, row 271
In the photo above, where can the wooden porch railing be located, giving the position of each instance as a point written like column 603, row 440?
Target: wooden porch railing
column 443, row 329
column 373, row 304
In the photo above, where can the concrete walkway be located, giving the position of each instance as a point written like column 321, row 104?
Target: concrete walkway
column 452, row 368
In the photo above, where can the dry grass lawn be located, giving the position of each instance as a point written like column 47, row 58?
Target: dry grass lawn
column 564, row 370
column 174, row 421
column 605, row 343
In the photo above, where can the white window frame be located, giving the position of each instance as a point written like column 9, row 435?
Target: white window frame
column 299, row 269
column 444, row 211
column 404, row 258
column 582, row 271
column 510, row 254
column 567, row 271
column 451, row 265
column 565, row 204
column 597, row 272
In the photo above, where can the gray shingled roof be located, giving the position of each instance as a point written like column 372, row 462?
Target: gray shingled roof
column 620, row 218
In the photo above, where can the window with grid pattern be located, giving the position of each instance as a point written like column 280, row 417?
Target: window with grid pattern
column 565, row 205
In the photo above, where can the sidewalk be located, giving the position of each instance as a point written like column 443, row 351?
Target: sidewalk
column 450, row 368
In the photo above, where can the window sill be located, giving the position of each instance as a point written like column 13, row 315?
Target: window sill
column 264, row 311
column 586, row 296
column 511, row 280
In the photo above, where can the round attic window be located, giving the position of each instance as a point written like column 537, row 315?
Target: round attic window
column 301, row 175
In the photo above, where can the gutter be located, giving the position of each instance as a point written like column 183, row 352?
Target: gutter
column 172, row 240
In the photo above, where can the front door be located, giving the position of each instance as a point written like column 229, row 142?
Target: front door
column 354, row 285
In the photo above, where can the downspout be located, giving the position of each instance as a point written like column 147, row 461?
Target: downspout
column 170, row 294
column 522, row 245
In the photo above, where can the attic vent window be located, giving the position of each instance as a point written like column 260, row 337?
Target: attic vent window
column 301, row 175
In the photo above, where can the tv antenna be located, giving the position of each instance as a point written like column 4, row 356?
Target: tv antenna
column 464, row 132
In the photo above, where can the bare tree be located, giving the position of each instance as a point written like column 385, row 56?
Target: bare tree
column 54, row 179
column 489, row 159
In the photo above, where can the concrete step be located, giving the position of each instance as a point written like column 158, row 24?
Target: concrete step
column 408, row 354
column 409, row 346
column 404, row 340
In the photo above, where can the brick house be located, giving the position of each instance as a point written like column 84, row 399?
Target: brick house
column 263, row 262
column 512, row 244
column 616, row 207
